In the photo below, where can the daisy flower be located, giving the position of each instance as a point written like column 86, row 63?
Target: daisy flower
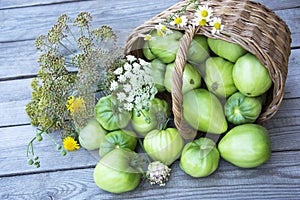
column 217, row 25
column 179, row 21
column 199, row 21
column 162, row 30
column 70, row 144
column 146, row 37
column 204, row 12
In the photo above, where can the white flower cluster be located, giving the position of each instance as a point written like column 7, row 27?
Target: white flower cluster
column 203, row 16
column 134, row 86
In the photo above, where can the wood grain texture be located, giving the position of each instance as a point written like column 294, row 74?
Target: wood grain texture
column 12, row 4
column 17, row 93
column 71, row 177
column 19, row 23
column 283, row 130
column 13, row 146
column 277, row 179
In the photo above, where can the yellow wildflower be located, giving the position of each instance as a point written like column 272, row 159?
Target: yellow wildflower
column 75, row 104
column 70, row 144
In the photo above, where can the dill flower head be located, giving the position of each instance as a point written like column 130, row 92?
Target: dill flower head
column 70, row 144
column 158, row 173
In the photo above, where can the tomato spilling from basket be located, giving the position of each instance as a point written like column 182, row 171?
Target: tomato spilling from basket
column 217, row 80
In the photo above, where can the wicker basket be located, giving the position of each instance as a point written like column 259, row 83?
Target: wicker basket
column 251, row 25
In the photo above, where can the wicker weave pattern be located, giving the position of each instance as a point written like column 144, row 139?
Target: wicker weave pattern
column 251, row 25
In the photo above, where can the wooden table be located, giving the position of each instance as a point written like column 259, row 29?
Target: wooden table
column 71, row 177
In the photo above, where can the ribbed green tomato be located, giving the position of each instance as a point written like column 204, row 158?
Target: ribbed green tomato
column 191, row 78
column 164, row 145
column 158, row 69
column 225, row 49
column 246, row 146
column 117, row 139
column 108, row 114
column 147, row 51
column 198, row 50
column 218, row 77
column 118, row 172
column 240, row 109
column 250, row 77
column 158, row 115
column 200, row 158
column 91, row 135
column 165, row 47
column 204, row 112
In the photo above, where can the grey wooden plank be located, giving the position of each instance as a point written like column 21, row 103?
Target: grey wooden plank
column 17, row 93
column 278, row 5
column 122, row 15
column 8, row 4
column 277, row 179
column 19, row 23
column 21, row 56
column 13, row 146
column 284, row 129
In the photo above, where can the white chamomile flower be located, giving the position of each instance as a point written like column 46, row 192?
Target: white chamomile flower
column 217, row 25
column 131, row 58
column 204, row 12
column 179, row 21
column 162, row 30
column 118, row 71
column 114, row 85
column 199, row 21
column 146, row 37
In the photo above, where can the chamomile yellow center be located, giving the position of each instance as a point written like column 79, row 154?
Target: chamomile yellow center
column 178, row 20
column 204, row 13
column 202, row 22
column 217, row 25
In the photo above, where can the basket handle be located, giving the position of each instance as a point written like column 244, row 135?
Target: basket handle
column 177, row 98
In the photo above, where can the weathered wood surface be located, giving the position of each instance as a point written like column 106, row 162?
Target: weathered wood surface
column 71, row 177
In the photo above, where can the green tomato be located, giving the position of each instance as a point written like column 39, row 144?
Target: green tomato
column 165, row 47
column 164, row 145
column 158, row 74
column 198, row 50
column 246, row 146
column 219, row 77
column 147, row 51
column 158, row 114
column 118, row 171
column 91, row 135
column 225, row 49
column 240, row 109
column 191, row 78
column 123, row 139
column 250, row 77
column 108, row 114
column 200, row 158
column 203, row 111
